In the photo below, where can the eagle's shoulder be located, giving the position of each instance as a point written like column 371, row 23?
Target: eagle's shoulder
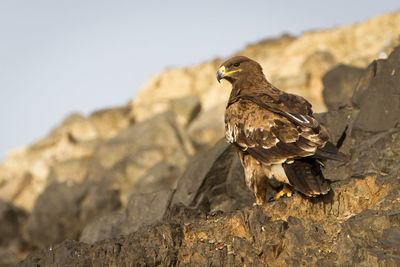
column 265, row 129
column 295, row 108
column 249, row 125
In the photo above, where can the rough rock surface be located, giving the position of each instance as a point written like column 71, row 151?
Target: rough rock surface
column 142, row 209
column 209, row 219
column 12, row 220
column 64, row 209
column 26, row 172
column 125, row 159
column 339, row 84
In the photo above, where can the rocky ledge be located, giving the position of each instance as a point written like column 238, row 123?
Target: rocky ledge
column 208, row 218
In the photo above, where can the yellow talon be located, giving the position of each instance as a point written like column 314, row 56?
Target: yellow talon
column 285, row 191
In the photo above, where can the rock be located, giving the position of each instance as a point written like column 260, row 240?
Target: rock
column 197, row 171
column 337, row 122
column 26, row 172
column 70, row 170
column 371, row 245
column 13, row 189
column 208, row 128
column 161, row 176
column 290, row 231
column 186, row 109
column 159, row 92
column 121, row 251
column 147, row 208
column 204, row 182
column 142, row 209
column 62, row 155
column 104, row 227
column 76, row 126
column 239, row 194
column 123, row 160
column 368, row 138
column 391, row 237
column 381, row 113
column 12, row 245
column 339, row 84
column 63, row 209
column 314, row 68
column 108, row 122
column 11, row 221
column 100, row 124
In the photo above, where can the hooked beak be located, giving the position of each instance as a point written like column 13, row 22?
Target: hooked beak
column 221, row 74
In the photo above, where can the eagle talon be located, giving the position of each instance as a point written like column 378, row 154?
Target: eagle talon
column 285, row 191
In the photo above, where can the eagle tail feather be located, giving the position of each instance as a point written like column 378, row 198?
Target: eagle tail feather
column 305, row 176
column 329, row 151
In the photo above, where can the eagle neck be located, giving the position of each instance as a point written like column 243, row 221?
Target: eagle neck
column 247, row 86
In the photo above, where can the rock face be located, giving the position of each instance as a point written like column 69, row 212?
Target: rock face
column 63, row 155
column 12, row 220
column 339, row 84
column 209, row 219
column 125, row 159
column 63, row 210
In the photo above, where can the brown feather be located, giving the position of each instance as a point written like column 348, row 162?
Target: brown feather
column 306, row 176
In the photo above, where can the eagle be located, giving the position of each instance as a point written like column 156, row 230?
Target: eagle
column 279, row 142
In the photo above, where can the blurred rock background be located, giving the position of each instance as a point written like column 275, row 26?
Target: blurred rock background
column 159, row 158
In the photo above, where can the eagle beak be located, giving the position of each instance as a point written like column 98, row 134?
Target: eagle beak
column 221, row 73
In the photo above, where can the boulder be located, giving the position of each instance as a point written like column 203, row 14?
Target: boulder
column 63, row 209
column 371, row 238
column 13, row 247
column 161, row 176
column 378, row 95
column 339, row 84
column 208, row 128
column 210, row 181
column 62, row 155
column 142, row 209
column 11, row 221
column 186, row 109
column 70, row 170
column 123, row 160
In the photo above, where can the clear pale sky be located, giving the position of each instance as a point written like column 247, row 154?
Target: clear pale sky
column 59, row 57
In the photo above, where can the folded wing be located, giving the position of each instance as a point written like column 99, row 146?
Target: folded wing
column 271, row 131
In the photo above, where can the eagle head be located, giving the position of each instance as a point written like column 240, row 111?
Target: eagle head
column 237, row 67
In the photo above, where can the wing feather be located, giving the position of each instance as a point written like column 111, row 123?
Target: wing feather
column 270, row 136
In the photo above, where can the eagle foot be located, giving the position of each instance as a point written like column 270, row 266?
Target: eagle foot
column 286, row 190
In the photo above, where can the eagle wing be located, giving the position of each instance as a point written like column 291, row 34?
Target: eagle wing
column 274, row 128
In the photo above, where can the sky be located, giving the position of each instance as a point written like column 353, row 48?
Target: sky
column 61, row 57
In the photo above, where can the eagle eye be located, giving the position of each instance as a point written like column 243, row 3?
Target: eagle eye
column 236, row 64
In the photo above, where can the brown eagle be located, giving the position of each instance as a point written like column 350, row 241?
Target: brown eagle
column 275, row 133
